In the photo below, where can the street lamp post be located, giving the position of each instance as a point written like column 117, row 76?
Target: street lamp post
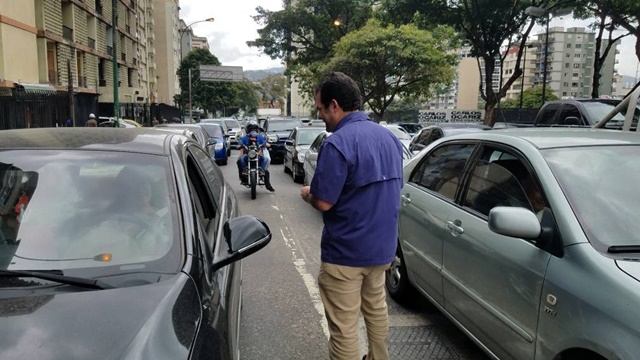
column 524, row 68
column 182, row 31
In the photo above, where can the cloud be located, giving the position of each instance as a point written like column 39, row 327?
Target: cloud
column 232, row 28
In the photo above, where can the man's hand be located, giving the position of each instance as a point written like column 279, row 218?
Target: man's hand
column 304, row 193
column 315, row 202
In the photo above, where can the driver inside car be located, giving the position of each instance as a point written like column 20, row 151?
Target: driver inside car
column 252, row 137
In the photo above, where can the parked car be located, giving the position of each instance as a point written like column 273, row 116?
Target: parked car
column 431, row 133
column 581, row 112
column 122, row 123
column 295, row 148
column 194, row 131
column 311, row 157
column 118, row 245
column 225, row 128
column 217, row 141
column 278, row 130
column 234, row 130
column 411, row 128
column 527, row 240
column 399, row 132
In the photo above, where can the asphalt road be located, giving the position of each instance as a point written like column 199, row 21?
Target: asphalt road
column 282, row 314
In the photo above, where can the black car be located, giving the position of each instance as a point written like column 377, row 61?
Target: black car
column 278, row 130
column 118, row 245
column 295, row 148
column 431, row 133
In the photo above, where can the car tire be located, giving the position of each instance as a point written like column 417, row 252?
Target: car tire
column 294, row 172
column 397, row 282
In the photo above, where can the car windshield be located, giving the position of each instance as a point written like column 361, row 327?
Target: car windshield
column 399, row 133
column 598, row 110
column 283, row 125
column 214, row 130
column 414, row 128
column 600, row 183
column 87, row 212
column 232, row 124
column 307, row 136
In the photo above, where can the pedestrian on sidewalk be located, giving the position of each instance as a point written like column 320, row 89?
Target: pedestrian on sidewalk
column 92, row 121
column 356, row 185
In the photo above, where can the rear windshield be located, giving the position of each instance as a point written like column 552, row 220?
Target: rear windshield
column 282, row 125
column 232, row 123
column 214, row 131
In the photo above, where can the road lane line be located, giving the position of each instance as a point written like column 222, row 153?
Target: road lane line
column 308, row 280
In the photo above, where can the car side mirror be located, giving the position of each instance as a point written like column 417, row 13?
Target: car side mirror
column 244, row 235
column 290, row 142
column 514, row 222
column 212, row 142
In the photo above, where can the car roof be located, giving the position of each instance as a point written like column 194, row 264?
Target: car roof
column 456, row 125
column 544, row 138
column 141, row 140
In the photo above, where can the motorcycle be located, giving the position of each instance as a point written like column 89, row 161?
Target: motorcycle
column 253, row 171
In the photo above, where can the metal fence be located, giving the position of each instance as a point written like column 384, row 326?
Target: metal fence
column 142, row 113
column 28, row 109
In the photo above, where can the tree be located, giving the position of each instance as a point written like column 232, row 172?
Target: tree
column 247, row 96
column 625, row 13
column 211, row 96
column 304, row 33
column 531, row 99
column 272, row 89
column 387, row 62
column 602, row 22
column 486, row 26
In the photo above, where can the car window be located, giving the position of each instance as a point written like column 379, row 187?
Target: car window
column 441, row 170
column 548, row 115
column 501, row 179
column 87, row 211
column 292, row 136
column 307, row 136
column 214, row 130
column 419, row 141
column 232, row 123
column 318, row 141
column 569, row 110
column 213, row 174
column 202, row 198
column 281, row 125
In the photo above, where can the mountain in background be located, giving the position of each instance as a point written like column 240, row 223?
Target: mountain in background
column 257, row 75
column 626, row 79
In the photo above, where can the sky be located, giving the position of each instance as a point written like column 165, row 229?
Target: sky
column 233, row 27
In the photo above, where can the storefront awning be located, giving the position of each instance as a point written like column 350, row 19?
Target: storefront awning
column 30, row 87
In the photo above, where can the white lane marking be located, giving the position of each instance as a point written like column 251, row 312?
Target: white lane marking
column 309, row 281
column 275, row 207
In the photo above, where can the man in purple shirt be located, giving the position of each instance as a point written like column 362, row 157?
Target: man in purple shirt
column 356, row 185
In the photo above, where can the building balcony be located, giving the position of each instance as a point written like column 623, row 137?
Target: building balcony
column 91, row 43
column 123, row 56
column 53, row 76
column 110, row 50
column 82, row 81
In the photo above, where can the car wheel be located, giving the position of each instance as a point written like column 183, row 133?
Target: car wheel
column 296, row 178
column 397, row 281
column 284, row 165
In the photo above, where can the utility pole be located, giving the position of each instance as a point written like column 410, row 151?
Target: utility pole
column 546, row 58
column 114, row 32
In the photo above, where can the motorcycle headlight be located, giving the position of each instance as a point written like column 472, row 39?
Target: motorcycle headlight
column 272, row 138
column 301, row 157
column 219, row 146
column 252, row 154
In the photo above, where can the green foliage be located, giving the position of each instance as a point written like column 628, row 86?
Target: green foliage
column 623, row 13
column 390, row 61
column 247, row 96
column 304, row 33
column 531, row 99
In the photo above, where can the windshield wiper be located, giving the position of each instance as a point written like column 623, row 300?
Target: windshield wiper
column 62, row 279
column 623, row 249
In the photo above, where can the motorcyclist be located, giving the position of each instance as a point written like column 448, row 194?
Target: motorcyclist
column 253, row 137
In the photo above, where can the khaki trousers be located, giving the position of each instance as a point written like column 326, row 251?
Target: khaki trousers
column 346, row 291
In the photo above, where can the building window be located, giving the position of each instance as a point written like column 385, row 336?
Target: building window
column 102, row 80
column 576, row 66
column 567, row 65
column 568, row 45
column 576, row 55
column 575, row 75
column 52, row 63
column 67, row 20
column 575, row 84
column 578, row 45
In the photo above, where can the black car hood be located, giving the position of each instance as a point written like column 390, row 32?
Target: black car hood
column 138, row 322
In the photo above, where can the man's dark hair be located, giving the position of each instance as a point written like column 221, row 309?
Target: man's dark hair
column 343, row 89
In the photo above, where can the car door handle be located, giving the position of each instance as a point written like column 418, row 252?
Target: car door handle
column 406, row 200
column 455, row 227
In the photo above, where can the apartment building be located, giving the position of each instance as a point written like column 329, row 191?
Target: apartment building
column 200, row 42
column 167, row 49
column 189, row 41
column 463, row 94
column 570, row 60
column 528, row 66
column 62, row 45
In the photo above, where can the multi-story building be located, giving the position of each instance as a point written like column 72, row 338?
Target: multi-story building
column 69, row 45
column 463, row 93
column 528, row 66
column 189, row 41
column 200, row 42
column 167, row 40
